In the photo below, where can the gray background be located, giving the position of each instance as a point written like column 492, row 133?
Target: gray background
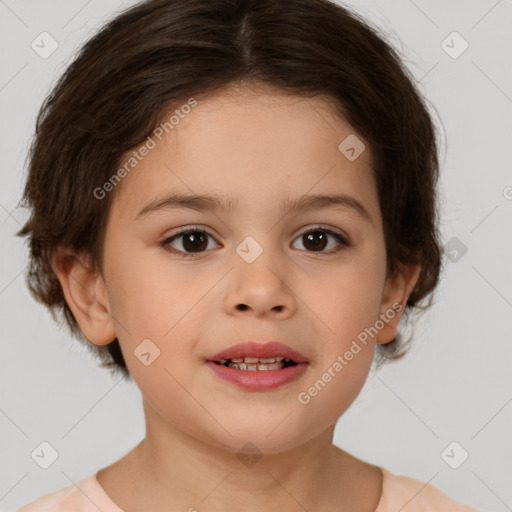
column 454, row 385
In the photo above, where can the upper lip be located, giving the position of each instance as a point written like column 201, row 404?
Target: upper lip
column 253, row 349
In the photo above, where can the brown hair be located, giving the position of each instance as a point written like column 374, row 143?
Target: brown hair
column 159, row 53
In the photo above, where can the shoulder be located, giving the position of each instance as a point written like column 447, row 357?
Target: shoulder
column 408, row 494
column 85, row 496
column 56, row 501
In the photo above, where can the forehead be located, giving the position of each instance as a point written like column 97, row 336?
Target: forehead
column 252, row 144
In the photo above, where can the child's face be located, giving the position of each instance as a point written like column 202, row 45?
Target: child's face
column 261, row 152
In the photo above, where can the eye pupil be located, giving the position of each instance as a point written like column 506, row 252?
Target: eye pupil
column 198, row 241
column 316, row 239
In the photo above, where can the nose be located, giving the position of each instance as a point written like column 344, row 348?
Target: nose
column 261, row 289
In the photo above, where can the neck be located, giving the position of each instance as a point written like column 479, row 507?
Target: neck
column 173, row 471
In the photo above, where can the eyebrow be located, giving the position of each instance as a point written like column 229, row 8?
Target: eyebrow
column 205, row 202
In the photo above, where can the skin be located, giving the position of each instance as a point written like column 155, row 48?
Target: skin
column 251, row 144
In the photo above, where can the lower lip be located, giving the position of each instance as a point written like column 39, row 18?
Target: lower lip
column 258, row 380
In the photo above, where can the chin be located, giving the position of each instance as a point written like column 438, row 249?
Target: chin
column 261, row 440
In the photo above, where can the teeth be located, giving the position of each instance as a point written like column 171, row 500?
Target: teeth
column 273, row 366
column 256, row 367
column 255, row 360
column 256, row 363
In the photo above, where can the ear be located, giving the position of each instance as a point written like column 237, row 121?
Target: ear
column 396, row 292
column 85, row 293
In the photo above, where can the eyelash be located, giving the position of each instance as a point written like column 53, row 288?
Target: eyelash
column 344, row 243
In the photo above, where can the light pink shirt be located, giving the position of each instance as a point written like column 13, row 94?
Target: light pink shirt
column 398, row 493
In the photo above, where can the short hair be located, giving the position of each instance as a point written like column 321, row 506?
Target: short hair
column 157, row 54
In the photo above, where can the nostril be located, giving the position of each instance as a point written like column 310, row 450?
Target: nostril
column 243, row 307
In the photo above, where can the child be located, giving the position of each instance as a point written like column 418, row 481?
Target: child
column 234, row 204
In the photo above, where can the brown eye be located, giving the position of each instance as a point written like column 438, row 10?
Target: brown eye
column 195, row 241
column 192, row 242
column 316, row 240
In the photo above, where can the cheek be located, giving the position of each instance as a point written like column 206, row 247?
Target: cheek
column 340, row 373
column 348, row 297
column 150, row 295
column 348, row 302
column 156, row 301
column 332, row 391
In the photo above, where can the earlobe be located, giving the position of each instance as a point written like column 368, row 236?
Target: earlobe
column 85, row 293
column 396, row 292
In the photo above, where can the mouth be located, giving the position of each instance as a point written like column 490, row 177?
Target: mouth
column 252, row 356
column 259, row 367
column 256, row 363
